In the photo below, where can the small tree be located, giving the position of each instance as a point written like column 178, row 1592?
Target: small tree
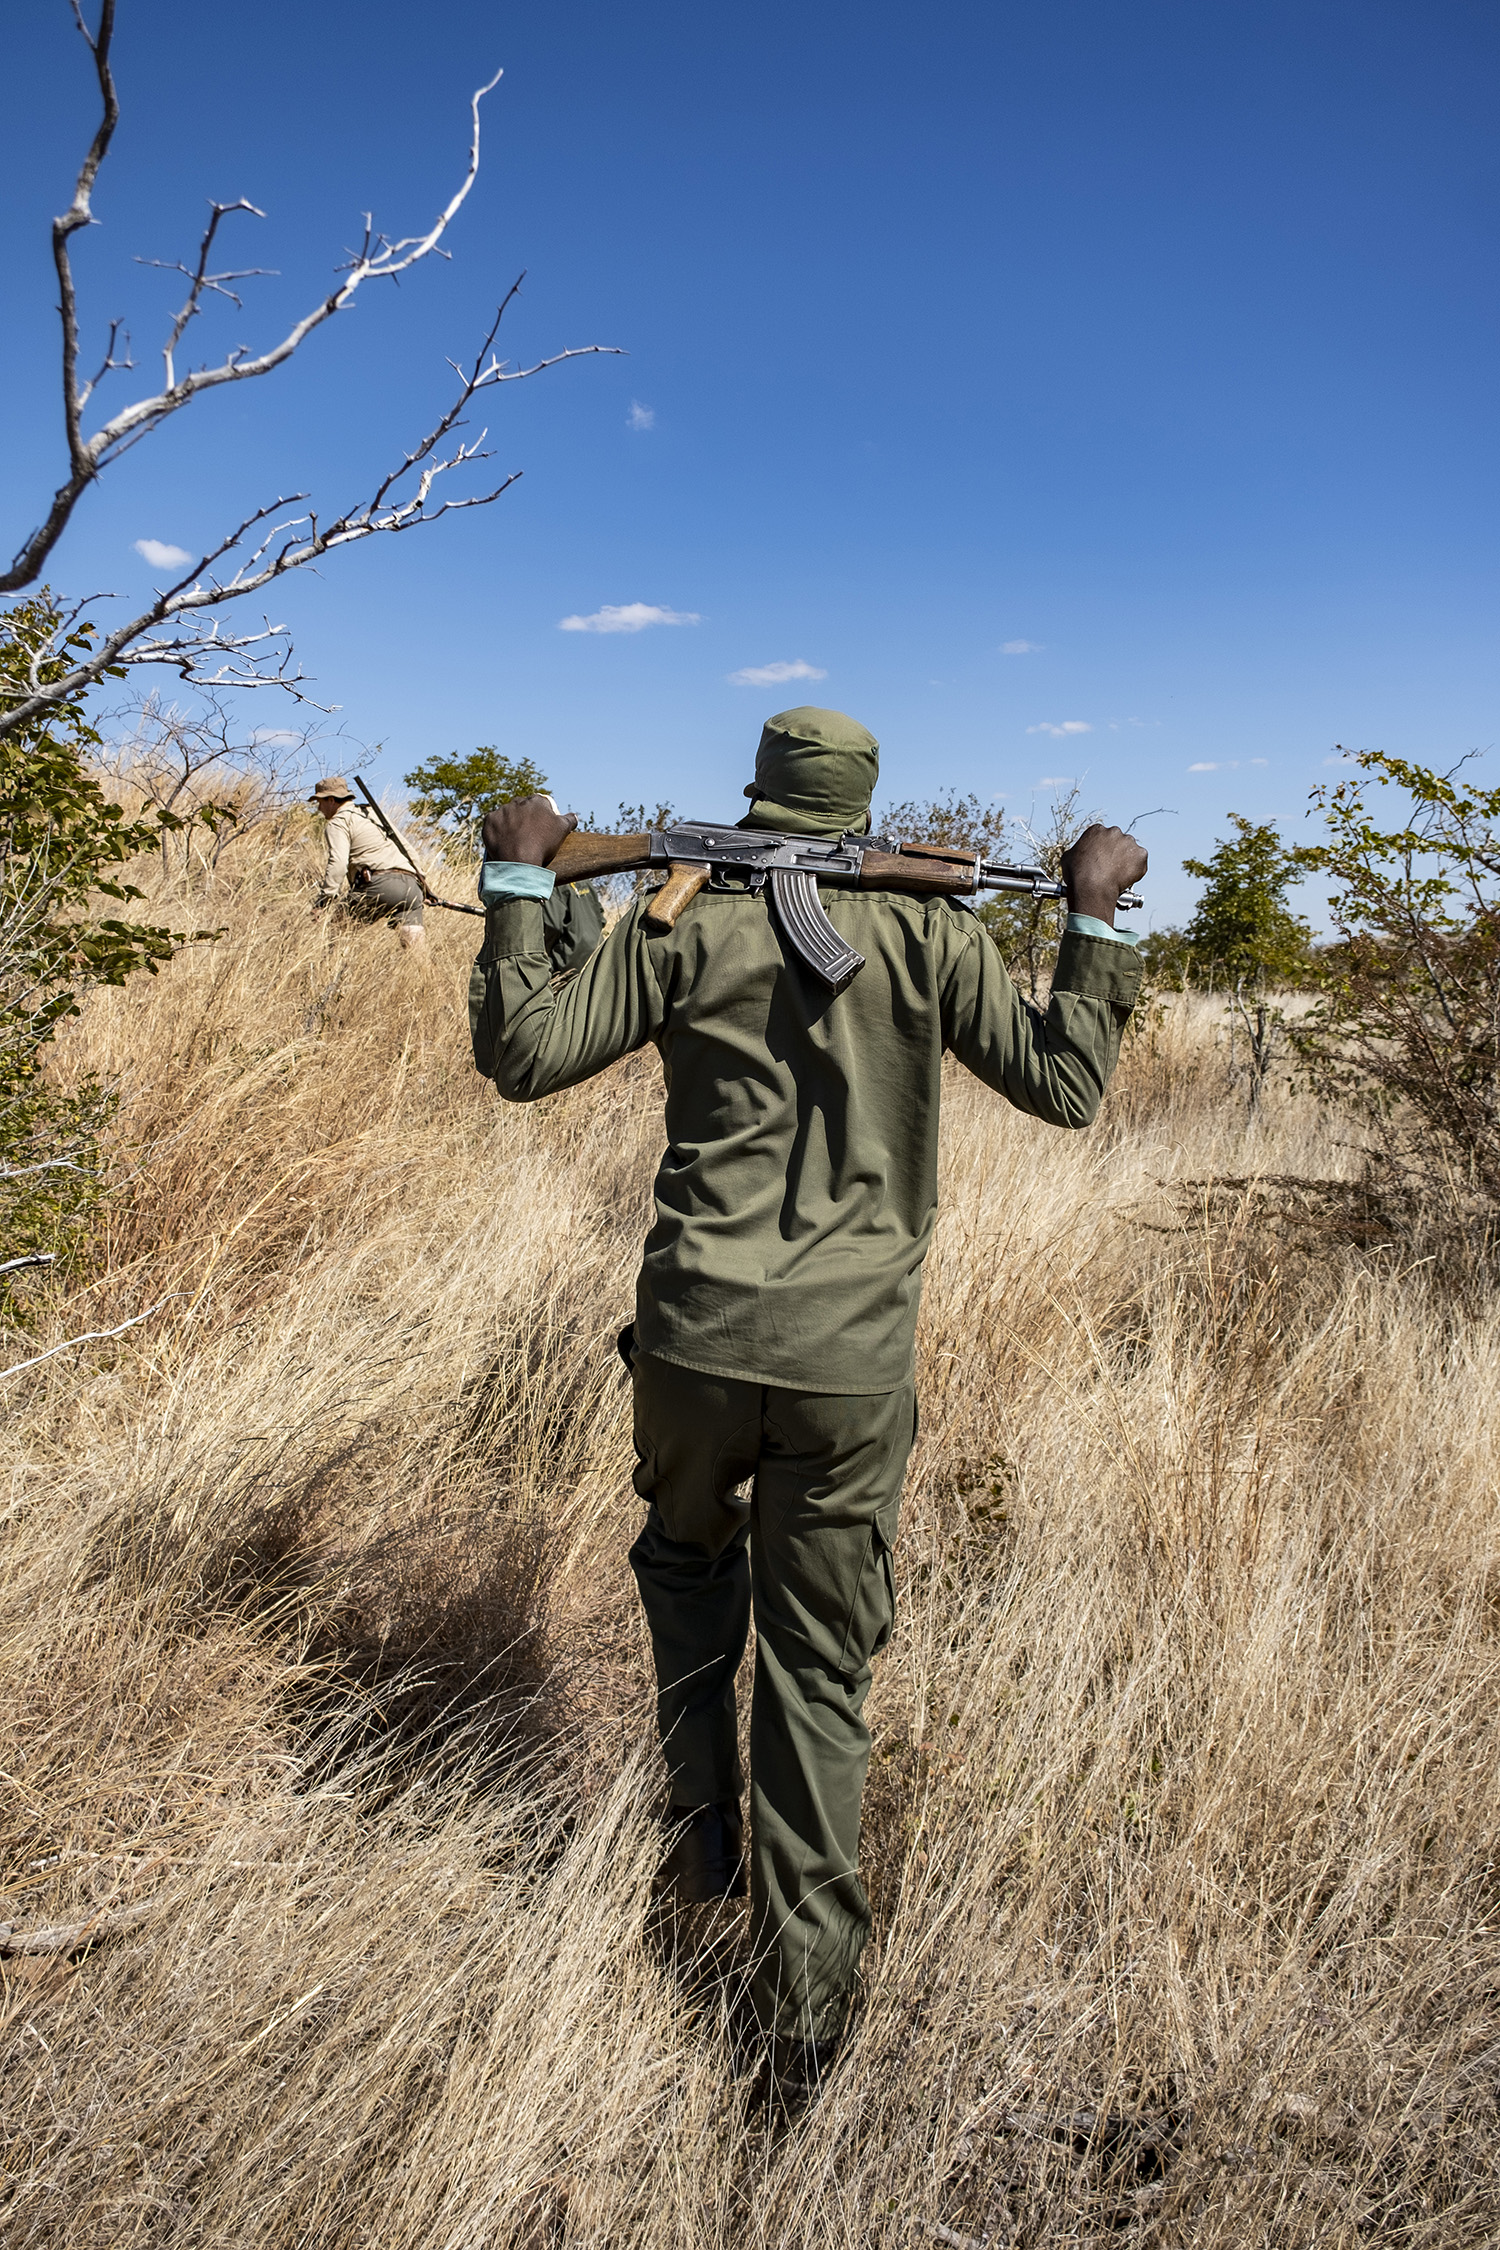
column 1245, row 934
column 1166, row 960
column 455, row 793
column 1243, row 930
column 199, row 762
column 1024, row 928
column 1406, row 1026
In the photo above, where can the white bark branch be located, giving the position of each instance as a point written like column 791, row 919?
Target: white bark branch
column 94, row 1336
column 68, row 1937
column 377, row 259
column 175, row 632
column 174, row 628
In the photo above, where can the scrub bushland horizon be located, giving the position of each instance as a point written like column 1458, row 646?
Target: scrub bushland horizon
column 330, row 1721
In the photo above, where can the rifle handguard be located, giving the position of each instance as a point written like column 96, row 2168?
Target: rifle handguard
column 918, row 872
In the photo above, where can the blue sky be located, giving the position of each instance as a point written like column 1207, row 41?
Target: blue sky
column 1157, row 338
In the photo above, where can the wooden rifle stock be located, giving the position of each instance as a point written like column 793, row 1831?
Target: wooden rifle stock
column 579, row 858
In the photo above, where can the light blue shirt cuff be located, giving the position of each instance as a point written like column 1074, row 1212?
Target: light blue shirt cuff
column 1089, row 925
column 513, row 878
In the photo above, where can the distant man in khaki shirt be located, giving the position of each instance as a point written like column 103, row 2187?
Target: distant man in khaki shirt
column 382, row 886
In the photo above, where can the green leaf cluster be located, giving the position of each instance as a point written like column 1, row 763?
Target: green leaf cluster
column 1406, row 1024
column 65, row 925
column 456, row 793
column 1243, row 932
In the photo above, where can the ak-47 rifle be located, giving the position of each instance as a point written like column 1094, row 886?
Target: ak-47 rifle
column 452, row 904
column 695, row 853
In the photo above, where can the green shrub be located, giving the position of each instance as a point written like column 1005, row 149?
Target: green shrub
column 456, row 793
column 1405, row 1029
column 64, row 847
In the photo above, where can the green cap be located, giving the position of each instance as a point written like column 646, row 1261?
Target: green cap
column 815, row 773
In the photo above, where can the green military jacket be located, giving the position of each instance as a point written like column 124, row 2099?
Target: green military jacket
column 796, row 1197
column 572, row 925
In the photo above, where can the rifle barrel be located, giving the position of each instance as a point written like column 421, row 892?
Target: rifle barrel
column 1035, row 882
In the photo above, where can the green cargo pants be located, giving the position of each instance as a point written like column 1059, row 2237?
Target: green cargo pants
column 820, row 1524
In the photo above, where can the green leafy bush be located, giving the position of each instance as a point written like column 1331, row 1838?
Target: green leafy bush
column 1405, row 1029
column 1245, row 938
column 1243, row 932
column 455, row 793
column 64, row 847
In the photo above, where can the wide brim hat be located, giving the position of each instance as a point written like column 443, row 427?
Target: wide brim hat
column 332, row 785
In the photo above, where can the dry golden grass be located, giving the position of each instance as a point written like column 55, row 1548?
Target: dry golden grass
column 321, row 1646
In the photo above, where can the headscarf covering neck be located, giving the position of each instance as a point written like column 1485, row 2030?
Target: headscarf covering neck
column 815, row 773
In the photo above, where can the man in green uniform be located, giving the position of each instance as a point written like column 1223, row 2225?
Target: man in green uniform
column 777, row 1302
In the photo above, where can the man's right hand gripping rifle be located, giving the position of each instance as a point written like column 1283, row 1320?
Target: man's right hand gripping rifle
column 776, row 1307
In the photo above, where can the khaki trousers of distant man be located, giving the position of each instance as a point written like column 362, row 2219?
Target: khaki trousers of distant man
column 819, row 1525
column 386, row 894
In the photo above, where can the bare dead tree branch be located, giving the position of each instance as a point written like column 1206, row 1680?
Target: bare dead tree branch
column 32, row 1258
column 196, row 646
column 377, row 259
column 202, row 759
column 71, row 1937
column 78, row 214
column 203, row 283
column 109, row 364
column 94, row 1336
column 173, row 629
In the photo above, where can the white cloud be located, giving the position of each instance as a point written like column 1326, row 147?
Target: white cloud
column 626, row 617
column 274, row 738
column 640, row 417
column 1056, row 781
column 1260, row 761
column 161, row 556
column 1206, row 765
column 1344, row 758
column 1020, row 648
column 772, row 675
column 1068, row 726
